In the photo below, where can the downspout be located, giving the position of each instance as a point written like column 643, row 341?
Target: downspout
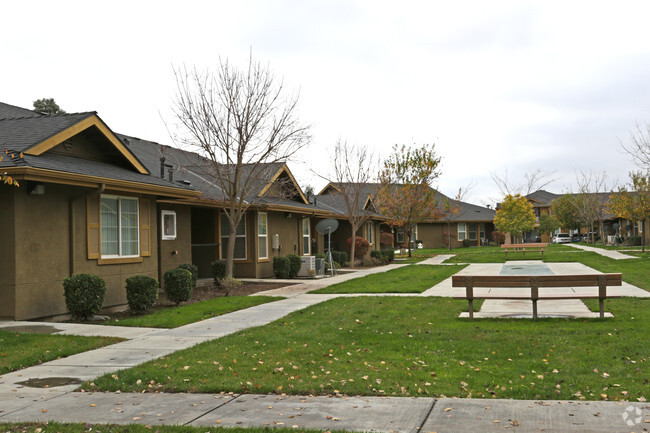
column 100, row 189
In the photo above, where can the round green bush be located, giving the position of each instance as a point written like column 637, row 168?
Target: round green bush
column 141, row 292
column 178, row 285
column 194, row 270
column 295, row 262
column 281, row 267
column 84, row 295
column 219, row 271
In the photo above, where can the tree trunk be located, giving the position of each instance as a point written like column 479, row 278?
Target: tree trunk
column 643, row 236
column 408, row 236
column 449, row 234
column 230, row 251
column 352, row 245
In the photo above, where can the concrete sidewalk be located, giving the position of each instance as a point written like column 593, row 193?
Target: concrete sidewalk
column 612, row 254
column 380, row 414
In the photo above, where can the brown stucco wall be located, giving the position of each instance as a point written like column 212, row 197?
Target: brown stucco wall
column 44, row 256
column 7, row 251
column 288, row 230
column 177, row 251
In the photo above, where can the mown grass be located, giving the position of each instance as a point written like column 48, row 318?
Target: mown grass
column 178, row 316
column 20, row 350
column 413, row 346
column 54, row 427
column 407, row 279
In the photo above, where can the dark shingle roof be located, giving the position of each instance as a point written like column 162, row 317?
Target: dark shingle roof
column 20, row 133
column 8, row 111
column 543, row 197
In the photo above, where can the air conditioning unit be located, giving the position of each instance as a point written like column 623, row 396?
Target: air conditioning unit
column 308, row 266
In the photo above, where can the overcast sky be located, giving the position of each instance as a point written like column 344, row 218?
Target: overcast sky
column 518, row 85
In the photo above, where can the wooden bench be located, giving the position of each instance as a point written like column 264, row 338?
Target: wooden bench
column 536, row 247
column 534, row 282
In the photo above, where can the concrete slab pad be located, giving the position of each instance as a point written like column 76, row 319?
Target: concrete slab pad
column 125, row 408
column 162, row 342
column 527, row 416
column 83, row 373
column 347, row 413
column 13, row 401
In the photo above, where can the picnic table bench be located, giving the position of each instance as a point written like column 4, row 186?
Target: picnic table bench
column 534, row 282
column 523, row 247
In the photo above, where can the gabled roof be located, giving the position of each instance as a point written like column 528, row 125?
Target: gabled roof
column 35, row 134
column 541, row 197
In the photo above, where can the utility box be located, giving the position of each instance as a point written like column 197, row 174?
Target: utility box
column 308, row 266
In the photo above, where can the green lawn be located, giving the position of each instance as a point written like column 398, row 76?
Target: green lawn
column 19, row 350
column 173, row 317
column 407, row 279
column 412, row 346
column 53, row 427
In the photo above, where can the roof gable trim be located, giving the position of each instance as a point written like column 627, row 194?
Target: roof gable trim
column 284, row 169
column 81, row 126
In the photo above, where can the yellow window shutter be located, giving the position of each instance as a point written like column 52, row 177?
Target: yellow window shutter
column 145, row 227
column 93, row 229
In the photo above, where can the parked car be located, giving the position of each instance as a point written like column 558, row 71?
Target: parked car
column 587, row 237
column 561, row 238
column 576, row 237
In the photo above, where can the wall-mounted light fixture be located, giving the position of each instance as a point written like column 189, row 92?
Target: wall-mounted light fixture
column 36, row 189
column 288, row 215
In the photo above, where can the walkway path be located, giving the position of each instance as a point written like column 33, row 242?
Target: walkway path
column 612, row 254
column 58, row 403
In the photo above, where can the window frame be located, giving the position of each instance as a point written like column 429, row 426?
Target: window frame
column 470, row 231
column 370, row 232
column 163, row 214
column 461, row 234
column 119, row 199
column 265, row 235
column 227, row 236
column 306, row 238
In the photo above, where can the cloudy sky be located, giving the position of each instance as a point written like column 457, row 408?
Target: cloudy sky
column 498, row 85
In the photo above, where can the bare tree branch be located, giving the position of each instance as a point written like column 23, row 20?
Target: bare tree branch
column 639, row 146
column 239, row 121
column 533, row 181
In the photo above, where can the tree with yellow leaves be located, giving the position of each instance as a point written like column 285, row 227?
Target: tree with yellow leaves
column 515, row 216
column 633, row 205
column 4, row 177
column 405, row 194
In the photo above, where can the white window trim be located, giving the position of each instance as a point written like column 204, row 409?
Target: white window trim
column 162, row 225
column 226, row 235
column 119, row 225
column 266, row 236
column 370, row 233
column 308, row 236
column 463, row 231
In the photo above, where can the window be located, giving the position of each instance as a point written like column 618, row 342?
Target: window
column 119, row 226
column 369, row 233
column 306, row 237
column 262, row 236
column 240, row 238
column 168, row 218
column 472, row 232
column 400, row 236
column 462, row 231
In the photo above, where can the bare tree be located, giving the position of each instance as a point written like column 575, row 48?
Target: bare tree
column 453, row 210
column 239, row 121
column 591, row 199
column 639, row 146
column 533, row 181
column 354, row 168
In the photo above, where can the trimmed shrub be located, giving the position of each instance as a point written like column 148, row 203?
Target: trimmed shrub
column 219, row 271
column 295, row 262
column 194, row 270
column 389, row 254
column 141, row 292
column 465, row 243
column 341, row 258
column 361, row 246
column 84, row 295
column 228, row 284
column 281, row 267
column 178, row 285
column 379, row 256
column 386, row 240
column 634, row 241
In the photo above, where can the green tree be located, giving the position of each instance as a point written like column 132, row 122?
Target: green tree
column 47, row 106
column 564, row 211
column 515, row 216
column 633, row 205
column 405, row 194
column 548, row 224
